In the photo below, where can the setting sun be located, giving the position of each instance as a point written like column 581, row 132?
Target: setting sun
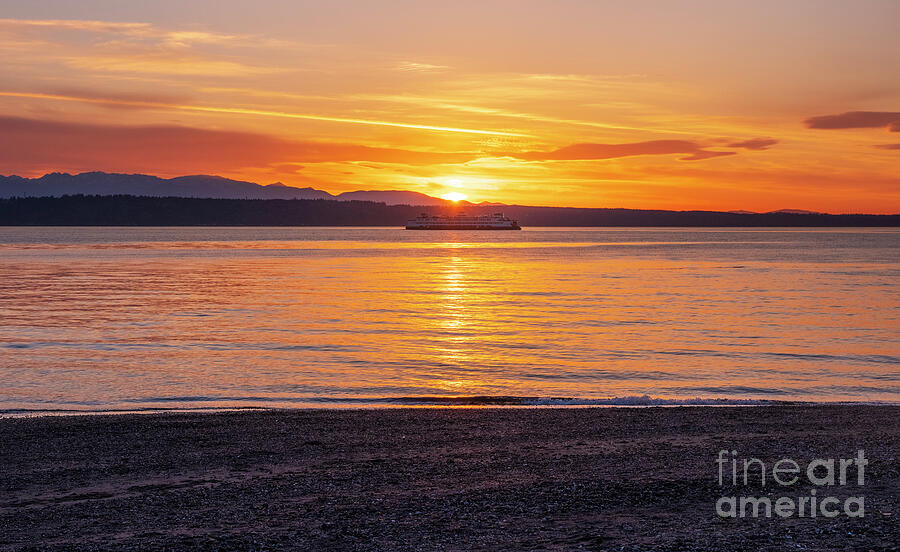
column 454, row 196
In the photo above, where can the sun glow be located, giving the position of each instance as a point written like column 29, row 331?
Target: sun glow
column 454, row 196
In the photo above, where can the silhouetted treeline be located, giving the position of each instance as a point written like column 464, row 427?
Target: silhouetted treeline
column 123, row 210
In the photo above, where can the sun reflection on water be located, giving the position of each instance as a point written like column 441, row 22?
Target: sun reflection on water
column 260, row 322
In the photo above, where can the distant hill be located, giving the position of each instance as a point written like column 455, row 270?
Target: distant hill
column 391, row 197
column 795, row 212
column 197, row 186
column 100, row 183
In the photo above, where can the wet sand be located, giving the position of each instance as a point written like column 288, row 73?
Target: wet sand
column 434, row 479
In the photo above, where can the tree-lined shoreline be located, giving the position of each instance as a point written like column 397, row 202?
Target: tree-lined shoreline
column 127, row 210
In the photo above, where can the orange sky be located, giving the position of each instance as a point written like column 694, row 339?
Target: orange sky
column 679, row 105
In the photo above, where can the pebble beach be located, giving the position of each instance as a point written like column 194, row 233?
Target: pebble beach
column 433, row 479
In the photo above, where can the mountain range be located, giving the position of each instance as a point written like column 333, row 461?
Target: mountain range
column 59, row 184
column 196, row 186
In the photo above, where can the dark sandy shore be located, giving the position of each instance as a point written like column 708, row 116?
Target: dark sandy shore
column 434, row 479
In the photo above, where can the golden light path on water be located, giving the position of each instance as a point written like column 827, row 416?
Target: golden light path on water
column 136, row 318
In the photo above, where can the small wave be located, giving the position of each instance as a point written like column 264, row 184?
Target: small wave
column 192, row 403
column 27, row 412
column 857, row 359
column 643, row 400
column 735, row 389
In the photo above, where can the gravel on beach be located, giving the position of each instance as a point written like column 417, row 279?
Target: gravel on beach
column 437, row 479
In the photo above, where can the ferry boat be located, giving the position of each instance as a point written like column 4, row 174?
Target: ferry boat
column 462, row 222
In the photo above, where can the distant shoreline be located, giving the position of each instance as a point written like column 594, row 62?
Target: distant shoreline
column 125, row 210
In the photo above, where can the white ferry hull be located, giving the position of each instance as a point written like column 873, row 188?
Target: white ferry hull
column 460, row 227
column 461, row 222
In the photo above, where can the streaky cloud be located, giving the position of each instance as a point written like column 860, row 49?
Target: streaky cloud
column 888, row 146
column 259, row 112
column 754, row 144
column 135, row 29
column 857, row 119
column 589, row 151
column 80, row 24
column 31, row 145
column 705, row 154
column 122, row 100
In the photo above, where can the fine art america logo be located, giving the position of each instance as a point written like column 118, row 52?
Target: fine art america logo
column 823, row 475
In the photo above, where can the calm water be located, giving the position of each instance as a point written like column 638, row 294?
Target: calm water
column 130, row 318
